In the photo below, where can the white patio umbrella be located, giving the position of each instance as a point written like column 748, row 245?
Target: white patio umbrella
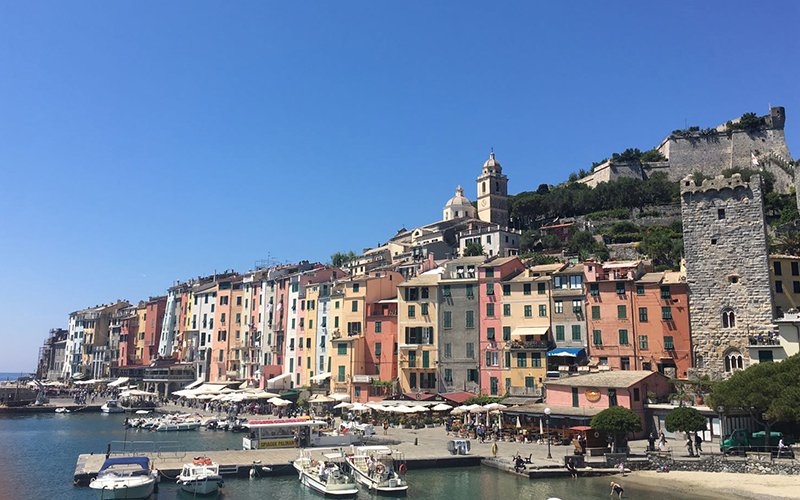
column 343, row 404
column 419, row 409
column 442, row 407
column 359, row 407
column 459, row 410
column 402, row 409
column 279, row 401
column 495, row 406
column 340, row 397
column 319, row 398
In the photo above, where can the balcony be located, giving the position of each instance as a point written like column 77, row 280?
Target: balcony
column 763, row 342
column 529, row 344
column 525, row 391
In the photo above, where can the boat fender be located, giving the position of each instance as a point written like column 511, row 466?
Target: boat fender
column 403, row 468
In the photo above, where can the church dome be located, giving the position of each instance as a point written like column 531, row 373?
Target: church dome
column 458, row 206
column 492, row 165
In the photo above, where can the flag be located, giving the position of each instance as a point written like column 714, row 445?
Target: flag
column 753, row 160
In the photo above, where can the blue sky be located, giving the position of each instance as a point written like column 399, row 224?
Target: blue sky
column 144, row 142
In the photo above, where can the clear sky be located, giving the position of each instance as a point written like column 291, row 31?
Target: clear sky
column 145, row 142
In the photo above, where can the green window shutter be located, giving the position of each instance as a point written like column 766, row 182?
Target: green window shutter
column 560, row 333
column 542, row 311
column 341, row 374
column 426, row 359
column 490, row 333
column 622, row 312
column 595, row 312
column 508, row 359
column 597, row 337
column 623, row 337
column 643, row 342
column 643, row 314
column 668, row 343
column 576, row 332
column 528, row 311
column 506, row 290
column 506, row 333
column 506, row 309
column 342, row 349
column 470, row 319
column 666, row 313
column 424, row 308
column 526, row 289
column 489, row 288
column 490, row 309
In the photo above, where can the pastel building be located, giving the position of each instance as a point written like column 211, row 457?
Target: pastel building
column 417, row 324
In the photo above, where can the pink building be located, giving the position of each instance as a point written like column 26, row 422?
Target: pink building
column 490, row 276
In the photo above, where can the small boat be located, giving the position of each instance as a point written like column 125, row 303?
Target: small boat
column 112, row 406
column 176, row 426
column 326, row 477
column 379, row 468
column 62, row 410
column 200, row 477
column 125, row 477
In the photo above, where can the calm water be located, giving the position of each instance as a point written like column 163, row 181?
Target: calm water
column 38, row 455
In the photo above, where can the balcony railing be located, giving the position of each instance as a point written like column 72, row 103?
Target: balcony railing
column 525, row 391
column 530, row 344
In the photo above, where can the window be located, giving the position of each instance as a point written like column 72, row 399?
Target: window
column 612, row 397
column 424, row 308
column 779, row 286
column 529, row 382
column 493, row 384
column 354, row 306
column 341, row 349
column 666, row 313
column 620, row 288
column 336, row 322
column 490, row 310
column 720, row 213
column 341, row 374
column 490, row 333
column 506, row 333
column 576, row 333
column 470, row 350
column 239, row 300
column 522, row 360
column 528, row 311
column 472, row 375
column 489, row 288
column 489, row 273
column 506, row 290
column 412, row 359
column 665, row 293
column 669, row 344
column 412, row 380
column 777, row 267
column 560, row 333
column 595, row 312
column 594, row 289
column 623, row 337
column 622, row 312
column 470, row 293
column 470, row 320
column 378, row 326
column 448, row 319
column 542, row 311
column 576, row 281
column 575, row 397
column 448, row 350
column 558, row 307
column 506, row 309
column 448, row 376
column 577, row 306
column 728, row 318
column 536, row 359
column 445, row 290
column 796, row 286
column 377, row 349
column 765, row 356
column 541, row 288
column 597, row 337
column 491, row 358
column 222, row 318
column 795, row 269
column 733, row 361
column 424, row 292
column 412, row 312
column 526, row 289
column 291, row 364
column 643, row 342
column 559, row 282
column 648, row 367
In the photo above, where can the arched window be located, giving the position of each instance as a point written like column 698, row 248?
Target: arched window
column 733, row 361
column 728, row 318
column 484, row 186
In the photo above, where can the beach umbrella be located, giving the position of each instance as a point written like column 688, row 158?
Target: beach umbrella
column 402, row 409
column 279, row 402
column 541, row 426
column 459, row 410
column 519, row 425
column 343, row 404
column 359, row 407
column 319, row 398
column 442, row 407
column 419, row 409
column 340, row 397
column 495, row 406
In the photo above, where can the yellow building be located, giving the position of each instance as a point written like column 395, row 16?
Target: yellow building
column 141, row 313
column 417, row 322
column 784, row 271
column 525, row 310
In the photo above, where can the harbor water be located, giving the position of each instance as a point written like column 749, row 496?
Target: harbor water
column 38, row 455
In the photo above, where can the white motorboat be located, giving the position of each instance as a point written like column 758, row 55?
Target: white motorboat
column 379, row 468
column 176, row 426
column 112, row 406
column 125, row 477
column 200, row 477
column 62, row 410
column 326, row 477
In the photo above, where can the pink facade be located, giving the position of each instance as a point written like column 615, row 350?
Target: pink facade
column 154, row 319
column 490, row 289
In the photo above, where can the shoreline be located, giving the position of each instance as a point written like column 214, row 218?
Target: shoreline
column 718, row 484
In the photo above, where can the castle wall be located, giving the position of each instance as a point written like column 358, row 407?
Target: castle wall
column 727, row 268
column 712, row 153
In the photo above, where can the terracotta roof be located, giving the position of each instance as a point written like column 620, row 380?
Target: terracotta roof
column 615, row 379
column 457, row 397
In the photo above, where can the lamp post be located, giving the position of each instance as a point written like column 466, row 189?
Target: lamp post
column 547, row 418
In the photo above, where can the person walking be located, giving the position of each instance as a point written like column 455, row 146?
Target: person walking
column 689, row 446
column 651, row 442
column 662, row 441
column 698, row 443
column 385, row 427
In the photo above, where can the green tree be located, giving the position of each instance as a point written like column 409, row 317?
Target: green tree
column 339, row 258
column 652, row 155
column 551, row 241
column 768, row 392
column 685, row 419
column 789, row 243
column 473, row 249
column 528, row 241
column 617, row 422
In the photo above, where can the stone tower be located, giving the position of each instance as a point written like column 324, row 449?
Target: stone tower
column 493, row 193
column 727, row 271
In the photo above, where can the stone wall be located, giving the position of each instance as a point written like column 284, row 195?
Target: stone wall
column 727, row 269
column 752, row 464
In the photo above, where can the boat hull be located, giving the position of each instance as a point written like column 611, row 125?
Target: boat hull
column 374, row 486
column 343, row 491
column 119, row 490
column 202, row 486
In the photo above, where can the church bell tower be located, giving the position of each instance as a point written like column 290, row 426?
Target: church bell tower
column 493, row 193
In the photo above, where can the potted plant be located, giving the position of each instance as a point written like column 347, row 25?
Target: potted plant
column 652, row 397
column 428, row 422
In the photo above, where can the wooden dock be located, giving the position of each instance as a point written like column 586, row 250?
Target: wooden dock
column 276, row 462
column 534, row 471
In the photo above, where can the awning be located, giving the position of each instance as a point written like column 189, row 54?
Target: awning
column 273, row 380
column 194, row 384
column 119, row 381
column 522, row 331
column 573, row 352
column 320, row 377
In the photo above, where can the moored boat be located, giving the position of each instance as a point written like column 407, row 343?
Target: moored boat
column 200, row 477
column 125, row 477
column 379, row 468
column 112, row 406
column 326, row 476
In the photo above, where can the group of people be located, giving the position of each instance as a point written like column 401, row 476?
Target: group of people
column 693, row 445
column 326, row 469
column 374, row 466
